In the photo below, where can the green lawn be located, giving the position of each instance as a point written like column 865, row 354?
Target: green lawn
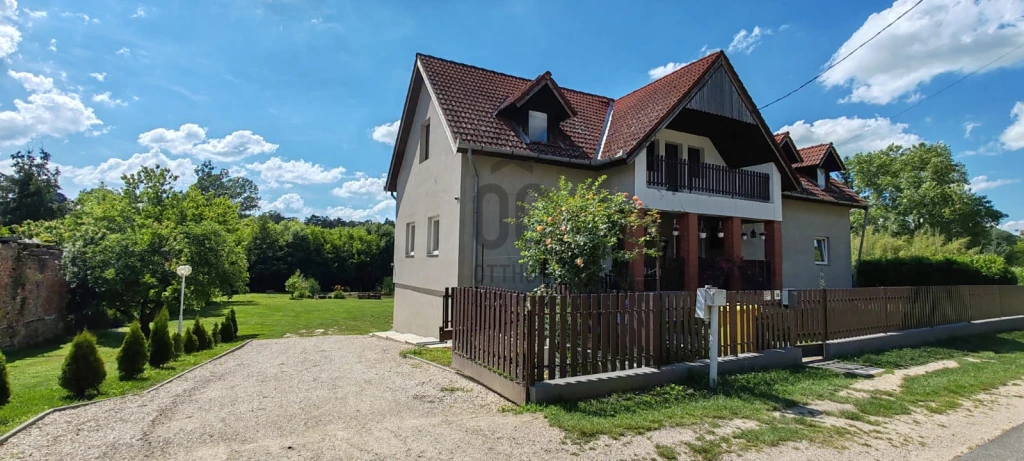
column 997, row 360
column 33, row 371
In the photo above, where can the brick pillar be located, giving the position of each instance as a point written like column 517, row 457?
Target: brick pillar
column 635, row 267
column 732, row 226
column 687, row 242
column 773, row 253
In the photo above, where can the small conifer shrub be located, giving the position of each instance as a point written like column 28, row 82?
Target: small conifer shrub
column 132, row 357
column 83, row 369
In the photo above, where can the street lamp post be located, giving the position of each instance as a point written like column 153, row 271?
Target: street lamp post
column 183, row 271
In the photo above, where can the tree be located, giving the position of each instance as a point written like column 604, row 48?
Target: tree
column 227, row 333
column 161, row 347
column 215, row 334
column 234, row 323
column 239, row 190
column 921, row 188
column 5, row 382
column 32, row 191
column 203, row 341
column 189, row 344
column 267, row 256
column 570, row 231
column 179, row 344
column 132, row 357
column 83, row 369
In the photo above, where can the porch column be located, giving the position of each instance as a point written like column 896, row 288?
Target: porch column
column 732, row 226
column 773, row 253
column 687, row 242
column 635, row 268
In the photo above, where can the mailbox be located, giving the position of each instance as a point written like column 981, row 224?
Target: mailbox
column 707, row 297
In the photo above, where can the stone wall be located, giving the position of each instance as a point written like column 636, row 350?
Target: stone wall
column 32, row 293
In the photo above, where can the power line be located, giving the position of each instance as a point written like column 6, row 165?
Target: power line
column 843, row 59
column 922, row 100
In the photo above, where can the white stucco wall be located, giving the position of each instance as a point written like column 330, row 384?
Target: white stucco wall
column 802, row 222
column 426, row 189
column 705, row 204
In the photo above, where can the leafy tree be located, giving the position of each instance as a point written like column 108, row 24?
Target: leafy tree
column 239, row 190
column 131, row 358
column 921, row 188
column 123, row 245
column 32, row 191
column 227, row 333
column 570, row 231
column 190, row 344
column 215, row 334
column 83, row 369
column 274, row 216
column 267, row 256
column 203, row 341
column 928, row 244
column 5, row 381
column 161, row 347
column 179, row 344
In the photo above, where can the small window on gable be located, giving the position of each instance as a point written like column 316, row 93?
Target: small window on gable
column 821, row 250
column 425, row 141
column 822, row 178
column 410, row 239
column 537, row 129
column 433, row 236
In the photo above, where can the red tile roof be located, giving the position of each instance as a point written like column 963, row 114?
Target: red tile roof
column 541, row 79
column 780, row 137
column 834, row 192
column 639, row 112
column 813, row 155
column 469, row 96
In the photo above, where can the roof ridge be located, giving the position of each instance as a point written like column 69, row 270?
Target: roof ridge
column 695, row 61
column 815, row 145
column 527, row 80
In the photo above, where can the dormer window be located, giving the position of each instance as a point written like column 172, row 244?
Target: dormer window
column 537, row 129
column 822, row 178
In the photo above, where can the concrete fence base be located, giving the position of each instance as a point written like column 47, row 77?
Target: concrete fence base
column 919, row 337
column 602, row 384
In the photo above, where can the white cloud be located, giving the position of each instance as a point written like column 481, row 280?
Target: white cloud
column 32, row 83
column 190, row 139
column 1013, row 226
column 938, row 37
column 376, row 212
column 277, row 173
column 989, row 148
column 1013, row 137
column 290, row 202
column 37, row 14
column 99, row 132
column 783, row 27
column 99, row 76
column 8, row 8
column 386, row 133
column 140, row 12
column 316, row 20
column 6, row 166
column 364, row 186
column 48, row 112
column 982, row 183
column 84, row 17
column 9, row 39
column 105, row 99
column 124, row 51
column 110, row 171
column 664, row 70
column 53, row 45
column 846, row 133
column 970, row 126
column 745, row 42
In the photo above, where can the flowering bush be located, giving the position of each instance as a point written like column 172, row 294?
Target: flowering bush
column 571, row 231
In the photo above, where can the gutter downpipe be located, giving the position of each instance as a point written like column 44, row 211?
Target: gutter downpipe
column 860, row 249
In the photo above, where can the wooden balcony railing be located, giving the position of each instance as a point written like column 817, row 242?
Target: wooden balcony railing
column 708, row 178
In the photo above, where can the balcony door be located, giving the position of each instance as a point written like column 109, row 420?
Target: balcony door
column 673, row 166
column 694, row 157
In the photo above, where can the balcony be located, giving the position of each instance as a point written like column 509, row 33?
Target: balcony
column 708, row 178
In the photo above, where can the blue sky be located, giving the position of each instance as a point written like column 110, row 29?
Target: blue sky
column 302, row 96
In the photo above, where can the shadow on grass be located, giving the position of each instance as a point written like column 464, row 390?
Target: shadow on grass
column 15, row 355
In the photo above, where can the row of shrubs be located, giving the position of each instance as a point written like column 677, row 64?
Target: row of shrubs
column 984, row 269
column 84, row 370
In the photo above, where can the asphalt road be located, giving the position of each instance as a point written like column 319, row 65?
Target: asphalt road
column 1009, row 446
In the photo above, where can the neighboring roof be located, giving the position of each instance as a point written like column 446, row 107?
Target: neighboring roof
column 835, row 192
column 637, row 114
column 524, row 93
column 816, row 155
column 780, row 137
column 469, row 97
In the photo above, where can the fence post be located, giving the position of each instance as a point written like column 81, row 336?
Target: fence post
column 531, row 339
column 824, row 315
column 657, row 331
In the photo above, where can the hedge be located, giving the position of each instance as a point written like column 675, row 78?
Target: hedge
column 922, row 271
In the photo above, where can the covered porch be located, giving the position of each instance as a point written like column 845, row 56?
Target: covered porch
column 723, row 251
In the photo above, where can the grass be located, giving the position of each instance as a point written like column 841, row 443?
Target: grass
column 34, row 371
column 438, row 355
column 666, row 452
column 760, row 397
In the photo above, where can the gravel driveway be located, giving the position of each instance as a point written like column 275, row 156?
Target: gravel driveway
column 328, row 397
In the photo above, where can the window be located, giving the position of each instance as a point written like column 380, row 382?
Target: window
column 537, row 128
column 822, row 178
column 410, row 239
column 425, row 141
column 433, row 235
column 821, row 250
column 694, row 158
